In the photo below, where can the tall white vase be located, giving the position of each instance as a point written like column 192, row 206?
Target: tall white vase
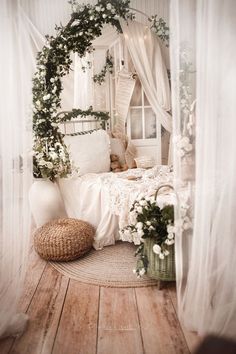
column 46, row 202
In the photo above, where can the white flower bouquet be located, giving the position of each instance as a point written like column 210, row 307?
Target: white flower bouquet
column 152, row 228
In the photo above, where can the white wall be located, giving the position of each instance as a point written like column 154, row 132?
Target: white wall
column 46, row 13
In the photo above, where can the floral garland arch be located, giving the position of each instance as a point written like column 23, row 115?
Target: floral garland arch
column 51, row 159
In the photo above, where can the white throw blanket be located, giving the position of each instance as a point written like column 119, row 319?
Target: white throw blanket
column 104, row 200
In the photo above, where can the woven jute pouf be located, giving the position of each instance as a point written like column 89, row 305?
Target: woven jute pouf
column 63, row 239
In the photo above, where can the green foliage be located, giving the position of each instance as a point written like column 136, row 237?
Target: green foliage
column 160, row 27
column 108, row 67
column 51, row 158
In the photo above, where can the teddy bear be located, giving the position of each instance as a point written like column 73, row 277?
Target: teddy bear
column 116, row 166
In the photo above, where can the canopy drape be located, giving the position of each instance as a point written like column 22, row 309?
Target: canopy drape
column 145, row 51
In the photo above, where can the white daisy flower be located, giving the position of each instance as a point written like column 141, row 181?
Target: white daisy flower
column 156, row 249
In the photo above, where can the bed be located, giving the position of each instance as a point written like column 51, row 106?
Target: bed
column 104, row 198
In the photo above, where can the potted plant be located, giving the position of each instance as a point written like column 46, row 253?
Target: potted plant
column 152, row 227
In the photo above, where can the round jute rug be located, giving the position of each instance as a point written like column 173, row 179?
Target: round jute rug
column 111, row 267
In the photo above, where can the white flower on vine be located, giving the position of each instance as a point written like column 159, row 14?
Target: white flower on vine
column 139, row 209
column 156, row 249
column 140, row 233
column 49, row 165
column 166, row 253
column 126, row 232
column 169, row 242
column 136, row 239
column 53, row 155
column 46, row 97
column 143, row 202
column 188, row 147
column 42, row 163
column 170, row 236
column 170, row 229
column 142, row 272
column 161, row 255
column 98, row 8
column 139, row 225
column 148, row 223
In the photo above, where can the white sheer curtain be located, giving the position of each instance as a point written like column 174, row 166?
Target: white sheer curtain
column 146, row 55
column 206, row 260
column 16, row 63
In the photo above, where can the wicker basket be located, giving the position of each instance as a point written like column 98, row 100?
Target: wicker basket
column 63, row 239
column 160, row 269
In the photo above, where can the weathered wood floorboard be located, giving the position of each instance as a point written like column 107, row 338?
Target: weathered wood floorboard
column 44, row 312
column 119, row 330
column 77, row 332
column 160, row 327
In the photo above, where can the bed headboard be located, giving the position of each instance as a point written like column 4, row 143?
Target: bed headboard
column 81, row 125
column 78, row 121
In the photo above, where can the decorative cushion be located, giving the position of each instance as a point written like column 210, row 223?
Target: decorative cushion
column 90, row 152
column 63, row 239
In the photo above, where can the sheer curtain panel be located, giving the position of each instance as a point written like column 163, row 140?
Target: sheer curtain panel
column 145, row 52
column 16, row 63
column 203, row 64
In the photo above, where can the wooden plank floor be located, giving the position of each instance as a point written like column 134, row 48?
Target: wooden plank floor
column 69, row 317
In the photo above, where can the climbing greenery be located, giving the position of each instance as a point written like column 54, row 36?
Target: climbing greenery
column 108, row 67
column 51, row 158
column 159, row 26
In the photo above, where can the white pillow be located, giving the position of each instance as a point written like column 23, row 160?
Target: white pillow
column 90, row 152
column 117, row 148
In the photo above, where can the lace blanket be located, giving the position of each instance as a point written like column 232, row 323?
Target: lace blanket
column 122, row 191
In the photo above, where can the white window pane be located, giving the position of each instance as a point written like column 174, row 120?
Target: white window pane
column 136, row 123
column 150, row 124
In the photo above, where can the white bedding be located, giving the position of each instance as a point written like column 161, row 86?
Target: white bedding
column 104, row 199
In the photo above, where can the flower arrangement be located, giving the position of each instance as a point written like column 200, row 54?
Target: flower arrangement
column 150, row 218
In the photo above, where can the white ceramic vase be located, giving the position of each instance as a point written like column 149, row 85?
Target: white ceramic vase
column 45, row 202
